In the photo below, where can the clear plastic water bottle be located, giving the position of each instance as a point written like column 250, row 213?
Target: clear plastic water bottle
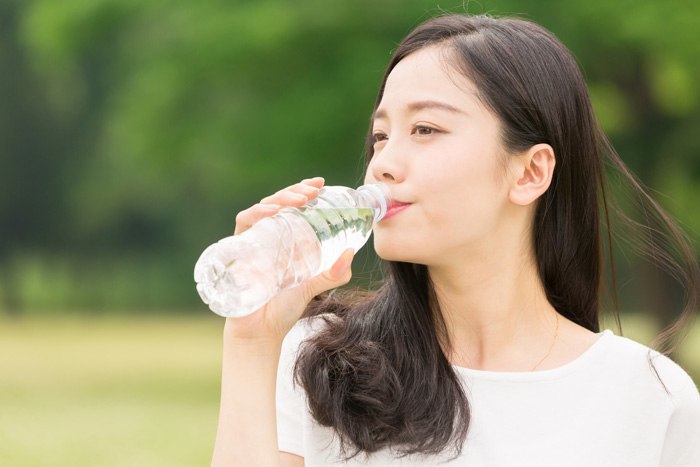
column 239, row 274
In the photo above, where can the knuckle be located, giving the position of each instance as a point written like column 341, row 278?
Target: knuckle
column 244, row 216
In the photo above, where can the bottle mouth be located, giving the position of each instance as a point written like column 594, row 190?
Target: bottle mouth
column 381, row 193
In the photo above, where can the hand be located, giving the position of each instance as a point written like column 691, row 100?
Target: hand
column 274, row 320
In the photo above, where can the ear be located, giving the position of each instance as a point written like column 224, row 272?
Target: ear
column 533, row 174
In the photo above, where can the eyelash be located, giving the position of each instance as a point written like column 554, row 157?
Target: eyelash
column 379, row 137
column 417, row 128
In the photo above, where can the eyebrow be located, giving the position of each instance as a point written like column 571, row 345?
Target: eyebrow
column 422, row 105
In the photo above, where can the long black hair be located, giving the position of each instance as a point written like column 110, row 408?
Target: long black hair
column 378, row 372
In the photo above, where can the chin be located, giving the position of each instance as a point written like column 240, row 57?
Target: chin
column 394, row 252
column 388, row 254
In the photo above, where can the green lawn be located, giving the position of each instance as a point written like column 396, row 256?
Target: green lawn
column 129, row 391
column 109, row 392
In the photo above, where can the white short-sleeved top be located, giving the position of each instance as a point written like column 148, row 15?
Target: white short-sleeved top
column 605, row 408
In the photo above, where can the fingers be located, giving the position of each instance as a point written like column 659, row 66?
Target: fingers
column 295, row 196
column 339, row 274
column 314, row 181
column 246, row 218
column 340, row 271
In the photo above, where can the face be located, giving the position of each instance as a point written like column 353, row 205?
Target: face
column 438, row 149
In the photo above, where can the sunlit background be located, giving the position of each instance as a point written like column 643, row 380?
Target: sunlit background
column 133, row 131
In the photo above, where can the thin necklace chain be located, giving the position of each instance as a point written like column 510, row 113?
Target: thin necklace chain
column 556, row 334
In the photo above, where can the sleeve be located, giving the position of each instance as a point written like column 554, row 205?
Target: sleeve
column 290, row 400
column 682, row 443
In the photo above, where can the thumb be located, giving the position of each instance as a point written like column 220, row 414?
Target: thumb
column 339, row 274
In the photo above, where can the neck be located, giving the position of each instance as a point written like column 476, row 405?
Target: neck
column 496, row 312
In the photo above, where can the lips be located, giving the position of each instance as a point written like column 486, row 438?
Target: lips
column 394, row 207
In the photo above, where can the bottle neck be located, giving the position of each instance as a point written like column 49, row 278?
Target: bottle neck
column 378, row 195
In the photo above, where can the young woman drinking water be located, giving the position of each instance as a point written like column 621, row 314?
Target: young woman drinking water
column 483, row 345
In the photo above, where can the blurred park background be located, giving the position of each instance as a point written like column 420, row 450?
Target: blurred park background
column 132, row 131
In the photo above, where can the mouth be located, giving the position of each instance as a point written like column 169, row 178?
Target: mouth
column 394, row 207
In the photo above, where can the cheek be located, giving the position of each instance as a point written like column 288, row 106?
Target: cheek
column 466, row 206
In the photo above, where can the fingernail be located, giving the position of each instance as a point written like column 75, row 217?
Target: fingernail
column 306, row 180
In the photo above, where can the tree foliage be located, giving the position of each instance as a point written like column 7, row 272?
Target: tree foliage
column 132, row 131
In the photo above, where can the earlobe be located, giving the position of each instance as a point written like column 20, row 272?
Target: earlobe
column 535, row 169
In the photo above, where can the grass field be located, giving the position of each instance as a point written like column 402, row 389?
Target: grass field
column 130, row 391
column 109, row 392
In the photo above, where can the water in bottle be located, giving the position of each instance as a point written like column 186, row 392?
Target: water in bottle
column 239, row 274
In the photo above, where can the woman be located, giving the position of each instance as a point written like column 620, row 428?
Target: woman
column 483, row 345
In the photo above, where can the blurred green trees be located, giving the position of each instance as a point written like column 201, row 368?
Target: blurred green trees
column 131, row 132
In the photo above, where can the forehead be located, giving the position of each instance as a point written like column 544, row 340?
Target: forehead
column 427, row 74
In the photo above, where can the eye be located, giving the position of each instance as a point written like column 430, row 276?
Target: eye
column 421, row 130
column 379, row 137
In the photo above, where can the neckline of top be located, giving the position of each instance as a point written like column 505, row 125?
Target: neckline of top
column 541, row 375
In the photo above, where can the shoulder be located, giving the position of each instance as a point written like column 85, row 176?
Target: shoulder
column 646, row 367
column 291, row 346
column 304, row 329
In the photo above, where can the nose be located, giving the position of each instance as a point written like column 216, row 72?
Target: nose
column 387, row 165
